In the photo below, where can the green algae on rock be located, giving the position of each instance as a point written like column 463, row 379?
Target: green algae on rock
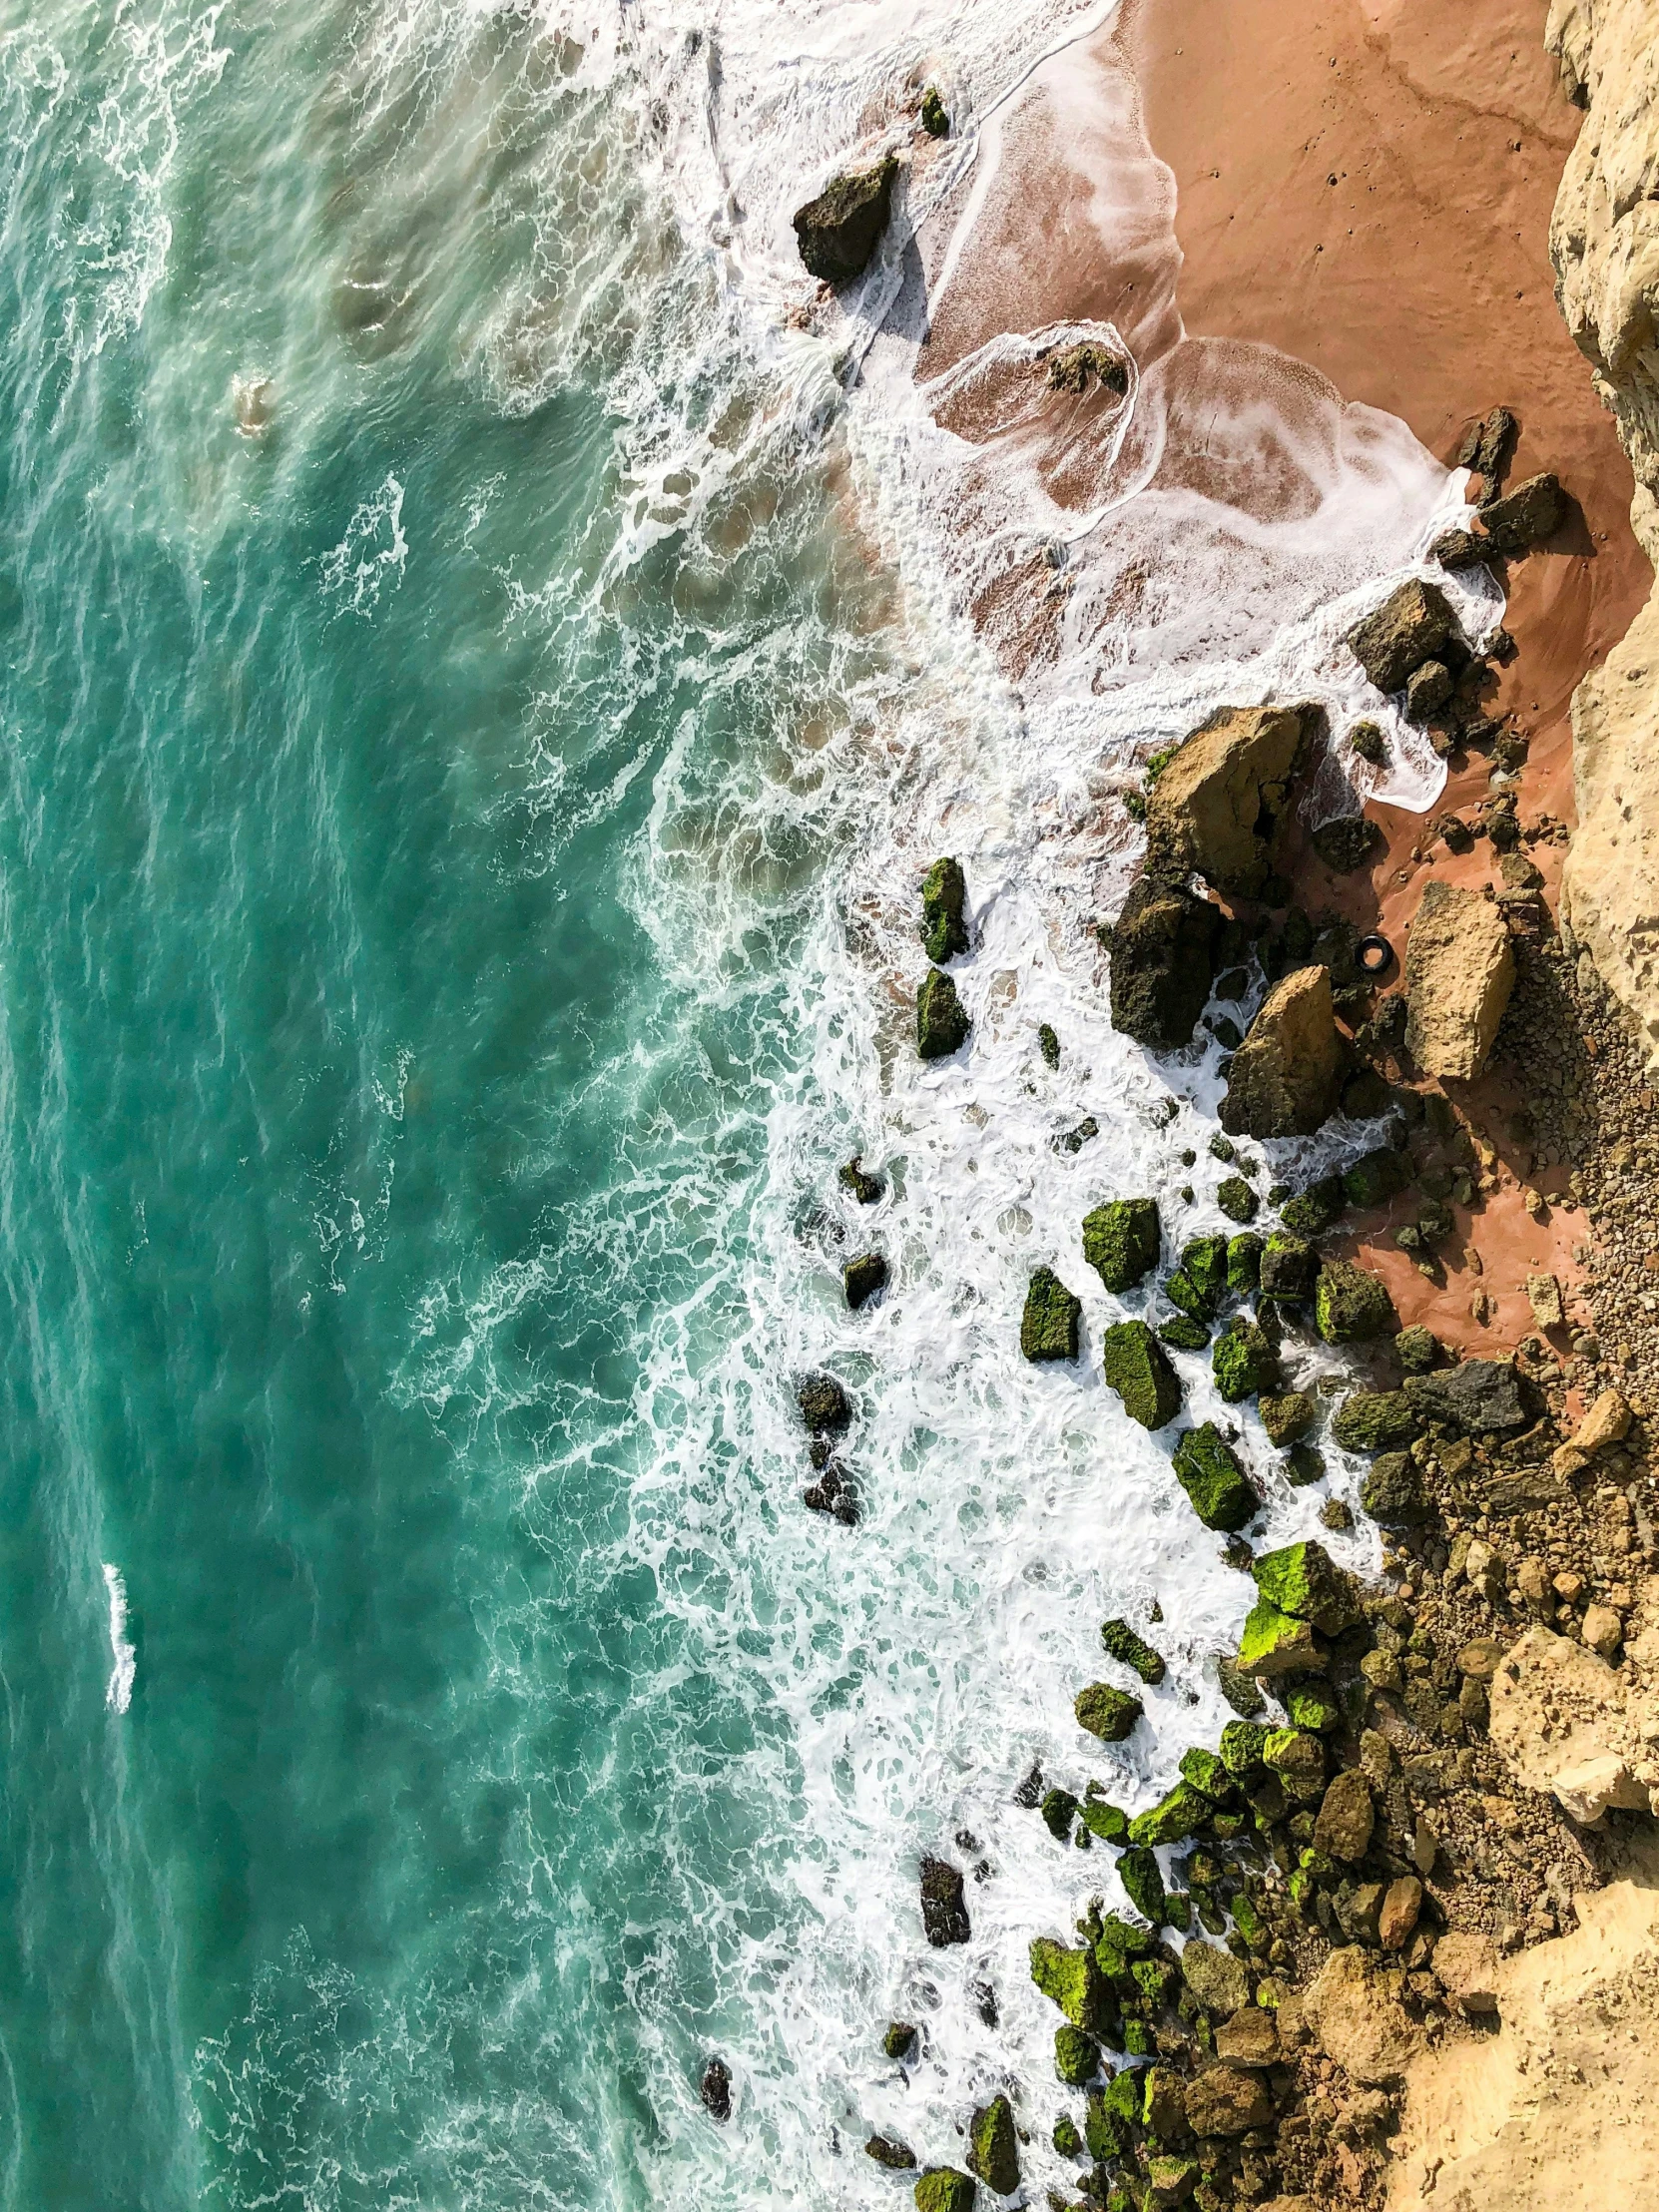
column 866, row 1188
column 1242, row 1360
column 943, row 922
column 1350, row 1304
column 1121, row 1242
column 900, row 2041
column 1048, row 1044
column 1143, row 1883
column 993, row 2147
column 1243, row 1263
column 1212, row 1479
column 1286, row 1415
column 1049, row 1325
column 1289, row 1268
column 944, row 2189
column 934, row 120
column 1138, row 1368
column 1375, row 1420
column 1109, row 1822
column 1242, row 1745
column 1303, row 1579
column 1236, row 1199
column 863, row 1278
column 1071, row 1980
column 1182, row 1334
column 1396, row 1493
column 1060, row 1810
column 1178, row 1813
column 1077, row 2056
column 1130, row 1650
column 1274, row 1644
column 942, row 1025
column 1374, row 1178
column 1107, row 1713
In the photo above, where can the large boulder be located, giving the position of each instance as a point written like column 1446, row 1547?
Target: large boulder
column 1215, row 1979
column 1459, row 971
column 1566, row 1722
column 944, row 1917
column 838, row 233
column 1220, row 800
column 993, row 2146
column 1049, row 1324
column 944, row 2189
column 1356, row 2021
column 1071, row 1980
column 1524, row 516
column 1212, row 1479
column 1350, row 1304
column 1122, row 1240
column 1228, row 2100
column 1286, row 1078
column 1410, row 627
column 1138, row 1368
column 1475, row 1398
column 942, row 1022
column 1163, row 960
column 943, row 911
column 1303, row 1579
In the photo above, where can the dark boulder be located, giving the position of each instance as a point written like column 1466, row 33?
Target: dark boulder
column 1289, row 1268
column 1475, row 1398
column 838, row 233
column 944, row 917
column 716, row 2089
column 1525, row 516
column 889, row 2151
column 1122, row 1240
column 945, row 1917
column 1458, row 549
column 1163, row 959
column 1138, row 1368
column 825, row 1408
column 1427, row 690
column 1394, row 1493
column 942, row 1024
column 1048, row 1327
column 866, row 1188
column 833, row 1495
column 1212, row 1479
column 1347, row 842
column 1410, row 627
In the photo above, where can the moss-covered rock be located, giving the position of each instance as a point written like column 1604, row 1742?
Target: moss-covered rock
column 1243, row 1263
column 942, row 1022
column 1133, row 1651
column 1242, row 1745
column 1118, row 1946
column 1107, row 1713
column 934, row 119
column 1236, row 1200
column 1143, row 1883
column 944, row 2189
column 1171, row 2178
column 1396, row 1493
column 1303, row 1579
column 1060, row 1810
column 1287, row 1414
column 1304, row 1465
column 1207, row 1771
column 1121, row 1242
column 1350, row 1304
column 1241, row 1690
column 863, row 1278
column 838, row 233
column 1048, row 1044
column 1419, row 1350
column 1179, row 1814
column 1204, row 1264
column 1297, row 1758
column 1105, row 2135
column 886, row 2150
column 1071, row 1980
column 1183, row 1334
column 1138, row 1368
column 825, row 1409
column 1275, row 1644
column 1375, row 1177
column 1164, row 2103
column 1067, row 2141
column 1289, row 1268
column 1242, row 1360
column 943, row 919
column 993, row 2146
column 1124, row 2096
column 1109, row 1822
column 1315, row 1209
column 1212, row 1479
column 900, row 2039
column 1077, row 2056
column 1375, row 1420
column 1309, row 1704
column 853, row 1177
column 1049, row 1326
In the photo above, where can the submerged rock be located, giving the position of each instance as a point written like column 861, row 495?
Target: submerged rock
column 838, row 233
column 1286, row 1078
column 900, row 2041
column 1049, row 1325
column 716, row 2089
column 942, row 1024
column 1048, row 1044
column 1410, row 627
column 866, row 1189
column 1220, row 800
column 934, row 120
column 945, row 1916
column 1121, row 1242
column 1138, row 1368
column 943, row 922
column 863, row 1278
column 1212, row 1479
column 1459, row 971
column 1080, row 368
column 889, row 2151
column 1162, row 949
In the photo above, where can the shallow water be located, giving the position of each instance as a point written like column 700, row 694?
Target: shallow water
column 458, row 838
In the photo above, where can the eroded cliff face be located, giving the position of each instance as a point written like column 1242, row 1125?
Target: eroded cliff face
column 1604, row 243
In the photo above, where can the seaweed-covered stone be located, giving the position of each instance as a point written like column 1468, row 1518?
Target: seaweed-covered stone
column 1077, row 2056
column 1060, row 1810
column 1239, row 1688
column 1275, row 1644
column 943, row 921
column 934, row 119
column 1109, row 1822
column 1117, row 1946
column 1105, row 2134
column 941, row 1023
column 889, row 2151
column 1143, row 1883
column 993, row 2147
column 1303, row 1465
column 1048, row 1327
column 1212, row 1479
column 1297, row 1758
column 1121, row 1242
column 1286, row 1415
column 1347, row 842
column 944, row 2189
column 1410, row 627
column 863, row 1278
column 1243, row 1263
column 1182, row 1812
column 838, row 233
column 1072, row 1981
column 1207, row 1771
column 900, row 2041
column 1313, row 1211
column 1375, row 1420
column 1138, row 1368
column 944, row 1917
column 866, row 1188
column 1345, row 1818
column 1162, row 950
column 1524, row 516
column 1182, row 1334
column 825, row 1409
column 1048, row 1044
column 1215, row 1979
column 1067, row 2143
column 1309, row 1704
column 1107, row 1713
column 1369, row 742
column 1242, row 1745
column 1131, row 1650
column 1303, row 1579
column 1236, row 1199
column 1289, row 1268
column 1350, row 1304
column 1242, row 1360
column 1199, row 1284
column 1417, row 1350
column 1375, row 1177
column 1394, row 1493
column 1473, row 1398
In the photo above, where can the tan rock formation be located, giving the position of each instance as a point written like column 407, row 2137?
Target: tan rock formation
column 1459, row 971
column 1286, row 1076
column 1219, row 800
column 1355, row 2016
column 1604, row 243
column 1569, row 1723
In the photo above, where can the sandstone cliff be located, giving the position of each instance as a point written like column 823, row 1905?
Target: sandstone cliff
column 1604, row 243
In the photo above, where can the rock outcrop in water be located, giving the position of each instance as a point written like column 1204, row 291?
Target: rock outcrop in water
column 1412, row 626
column 838, row 232
column 1220, row 800
column 1163, row 961
column 1286, row 1078
column 942, row 1020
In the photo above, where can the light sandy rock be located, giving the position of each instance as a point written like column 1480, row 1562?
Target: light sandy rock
column 1466, row 1967
column 1603, row 1630
column 1569, row 1725
column 1402, row 1903
column 1287, row 1075
column 1607, row 1423
column 1249, row 2038
column 1356, row 2019
column 1543, row 1295
column 1459, row 971
column 1219, row 800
